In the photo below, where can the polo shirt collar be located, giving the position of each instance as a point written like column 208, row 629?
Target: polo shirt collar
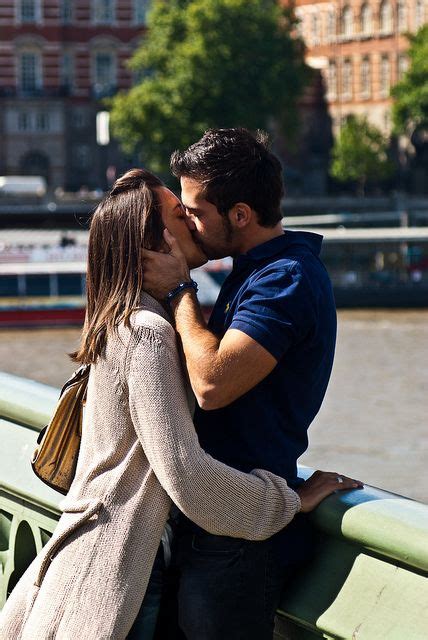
column 271, row 248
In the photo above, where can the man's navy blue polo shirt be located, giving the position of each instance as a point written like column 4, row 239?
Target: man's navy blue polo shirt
column 279, row 294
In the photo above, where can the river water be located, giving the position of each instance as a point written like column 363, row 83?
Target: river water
column 373, row 423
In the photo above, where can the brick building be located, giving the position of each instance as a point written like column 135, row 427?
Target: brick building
column 58, row 58
column 360, row 47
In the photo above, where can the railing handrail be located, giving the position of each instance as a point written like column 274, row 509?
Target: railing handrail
column 388, row 524
column 26, row 402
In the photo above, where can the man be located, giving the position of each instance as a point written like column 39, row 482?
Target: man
column 259, row 370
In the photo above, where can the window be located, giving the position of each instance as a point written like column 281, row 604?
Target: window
column 331, row 25
column 347, row 22
column 105, row 71
column 401, row 16
column 366, row 25
column 403, row 65
column 9, row 286
column 366, row 78
column 315, row 28
column 67, row 11
column 24, row 121
column 347, row 80
column 420, row 13
column 42, row 121
column 38, row 285
column 29, row 11
column 35, row 120
column 385, row 76
column 141, row 8
column 67, row 69
column 69, row 284
column 332, row 81
column 385, row 17
column 103, row 11
column 30, row 71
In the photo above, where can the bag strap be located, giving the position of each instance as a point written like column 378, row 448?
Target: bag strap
column 78, row 376
column 80, row 373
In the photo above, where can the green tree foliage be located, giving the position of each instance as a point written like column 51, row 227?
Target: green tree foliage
column 360, row 153
column 410, row 110
column 208, row 63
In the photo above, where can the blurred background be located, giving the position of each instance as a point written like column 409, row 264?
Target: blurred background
column 90, row 89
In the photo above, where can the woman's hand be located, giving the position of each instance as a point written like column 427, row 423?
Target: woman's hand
column 320, row 485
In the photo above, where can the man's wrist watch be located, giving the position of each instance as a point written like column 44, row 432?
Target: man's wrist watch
column 189, row 284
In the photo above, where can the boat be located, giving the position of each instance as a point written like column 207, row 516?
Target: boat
column 53, row 293
column 42, row 294
column 377, row 267
column 369, row 267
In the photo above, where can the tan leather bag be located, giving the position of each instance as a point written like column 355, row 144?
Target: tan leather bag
column 54, row 460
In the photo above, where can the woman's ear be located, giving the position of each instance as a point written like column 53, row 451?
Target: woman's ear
column 240, row 215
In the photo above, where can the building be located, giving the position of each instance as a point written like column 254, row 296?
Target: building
column 360, row 47
column 58, row 59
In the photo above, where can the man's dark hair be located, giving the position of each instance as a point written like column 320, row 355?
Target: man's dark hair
column 233, row 165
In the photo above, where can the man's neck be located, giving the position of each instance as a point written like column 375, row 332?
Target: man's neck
column 256, row 236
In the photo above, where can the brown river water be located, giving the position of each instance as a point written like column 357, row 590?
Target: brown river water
column 373, row 424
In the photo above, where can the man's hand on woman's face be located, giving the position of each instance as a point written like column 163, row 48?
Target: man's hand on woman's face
column 162, row 272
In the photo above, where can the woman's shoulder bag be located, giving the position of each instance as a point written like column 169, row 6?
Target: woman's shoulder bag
column 54, row 460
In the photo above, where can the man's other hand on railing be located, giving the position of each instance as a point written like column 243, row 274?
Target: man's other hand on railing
column 320, row 485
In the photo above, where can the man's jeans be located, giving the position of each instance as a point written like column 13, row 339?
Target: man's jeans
column 145, row 623
column 222, row 588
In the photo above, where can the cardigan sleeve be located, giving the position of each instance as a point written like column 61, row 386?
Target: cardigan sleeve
column 218, row 498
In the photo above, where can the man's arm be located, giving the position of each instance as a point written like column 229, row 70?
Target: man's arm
column 220, row 371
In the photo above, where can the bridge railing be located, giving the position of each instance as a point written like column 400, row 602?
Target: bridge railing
column 367, row 580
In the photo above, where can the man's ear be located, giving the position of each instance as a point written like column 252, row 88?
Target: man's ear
column 240, row 215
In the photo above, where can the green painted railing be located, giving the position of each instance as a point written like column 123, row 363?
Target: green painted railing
column 367, row 580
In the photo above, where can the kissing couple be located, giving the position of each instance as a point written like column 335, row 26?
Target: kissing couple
column 186, row 516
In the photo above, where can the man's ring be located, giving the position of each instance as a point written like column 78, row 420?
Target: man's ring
column 339, row 479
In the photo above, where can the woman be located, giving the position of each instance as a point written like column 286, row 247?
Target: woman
column 139, row 449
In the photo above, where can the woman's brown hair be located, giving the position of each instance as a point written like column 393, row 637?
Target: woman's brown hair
column 125, row 222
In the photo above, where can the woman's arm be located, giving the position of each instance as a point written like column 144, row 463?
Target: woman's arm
column 218, row 498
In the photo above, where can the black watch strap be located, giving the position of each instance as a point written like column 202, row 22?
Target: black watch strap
column 190, row 284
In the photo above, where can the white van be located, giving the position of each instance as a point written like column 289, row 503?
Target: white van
column 22, row 186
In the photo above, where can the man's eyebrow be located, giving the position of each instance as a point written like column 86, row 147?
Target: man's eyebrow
column 190, row 208
column 179, row 205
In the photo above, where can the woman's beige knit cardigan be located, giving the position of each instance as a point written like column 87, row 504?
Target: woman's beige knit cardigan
column 139, row 450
